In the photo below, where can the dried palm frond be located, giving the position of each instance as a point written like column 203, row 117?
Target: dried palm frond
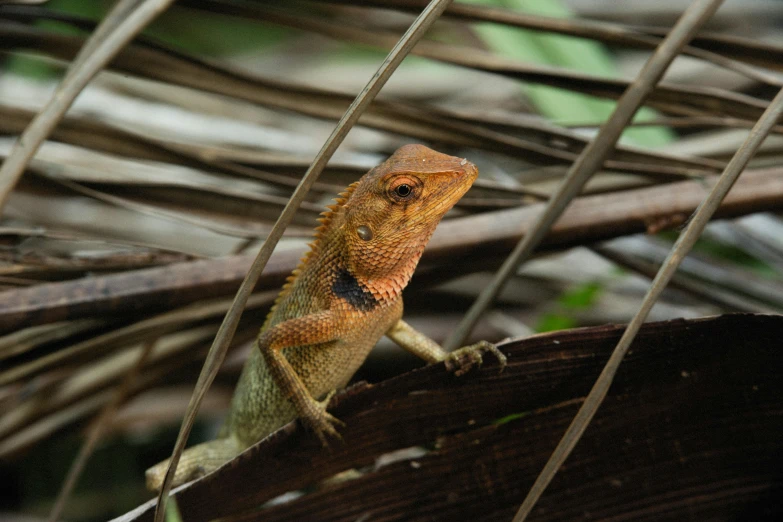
column 136, row 220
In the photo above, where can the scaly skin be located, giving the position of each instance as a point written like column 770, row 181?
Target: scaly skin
column 344, row 296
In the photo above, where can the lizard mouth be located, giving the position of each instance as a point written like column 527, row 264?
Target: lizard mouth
column 459, row 181
column 448, row 189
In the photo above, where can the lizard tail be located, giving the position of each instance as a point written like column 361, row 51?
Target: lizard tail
column 195, row 462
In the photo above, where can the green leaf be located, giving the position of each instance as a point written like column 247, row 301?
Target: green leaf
column 580, row 54
column 552, row 322
column 509, row 418
column 583, row 296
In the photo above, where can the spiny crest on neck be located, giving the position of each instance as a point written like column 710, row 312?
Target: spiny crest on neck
column 327, row 217
column 325, row 220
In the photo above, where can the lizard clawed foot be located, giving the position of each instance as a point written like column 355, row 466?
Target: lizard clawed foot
column 320, row 421
column 462, row 360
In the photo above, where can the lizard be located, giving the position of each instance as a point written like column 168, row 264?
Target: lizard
column 345, row 294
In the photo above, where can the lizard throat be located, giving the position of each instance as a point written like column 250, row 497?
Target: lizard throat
column 355, row 293
column 366, row 293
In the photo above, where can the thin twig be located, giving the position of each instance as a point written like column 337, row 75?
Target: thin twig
column 705, row 291
column 588, row 219
column 121, row 10
column 97, row 430
column 119, row 28
column 681, row 248
column 591, row 159
column 218, row 350
column 602, row 31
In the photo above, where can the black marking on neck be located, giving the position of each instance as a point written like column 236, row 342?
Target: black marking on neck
column 355, row 294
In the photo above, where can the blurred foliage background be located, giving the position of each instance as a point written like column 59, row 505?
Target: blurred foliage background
column 190, row 145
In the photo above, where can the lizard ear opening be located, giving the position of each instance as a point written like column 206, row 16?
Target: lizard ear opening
column 364, row 232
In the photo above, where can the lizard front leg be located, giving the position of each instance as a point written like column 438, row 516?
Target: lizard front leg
column 459, row 361
column 302, row 331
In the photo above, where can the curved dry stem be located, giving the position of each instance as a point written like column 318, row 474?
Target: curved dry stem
column 591, row 159
column 681, row 248
column 218, row 350
column 602, row 31
column 119, row 28
column 96, row 431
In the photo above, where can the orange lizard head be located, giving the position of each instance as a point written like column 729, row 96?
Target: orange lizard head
column 393, row 210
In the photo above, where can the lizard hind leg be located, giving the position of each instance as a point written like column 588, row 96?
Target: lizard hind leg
column 195, row 462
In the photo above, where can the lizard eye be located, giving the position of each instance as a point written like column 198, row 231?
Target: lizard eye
column 403, row 188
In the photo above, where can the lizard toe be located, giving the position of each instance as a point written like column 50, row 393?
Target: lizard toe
column 320, row 421
column 462, row 360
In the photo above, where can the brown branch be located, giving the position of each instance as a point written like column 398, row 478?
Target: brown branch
column 587, row 220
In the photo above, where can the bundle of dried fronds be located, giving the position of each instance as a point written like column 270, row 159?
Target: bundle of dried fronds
column 131, row 229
